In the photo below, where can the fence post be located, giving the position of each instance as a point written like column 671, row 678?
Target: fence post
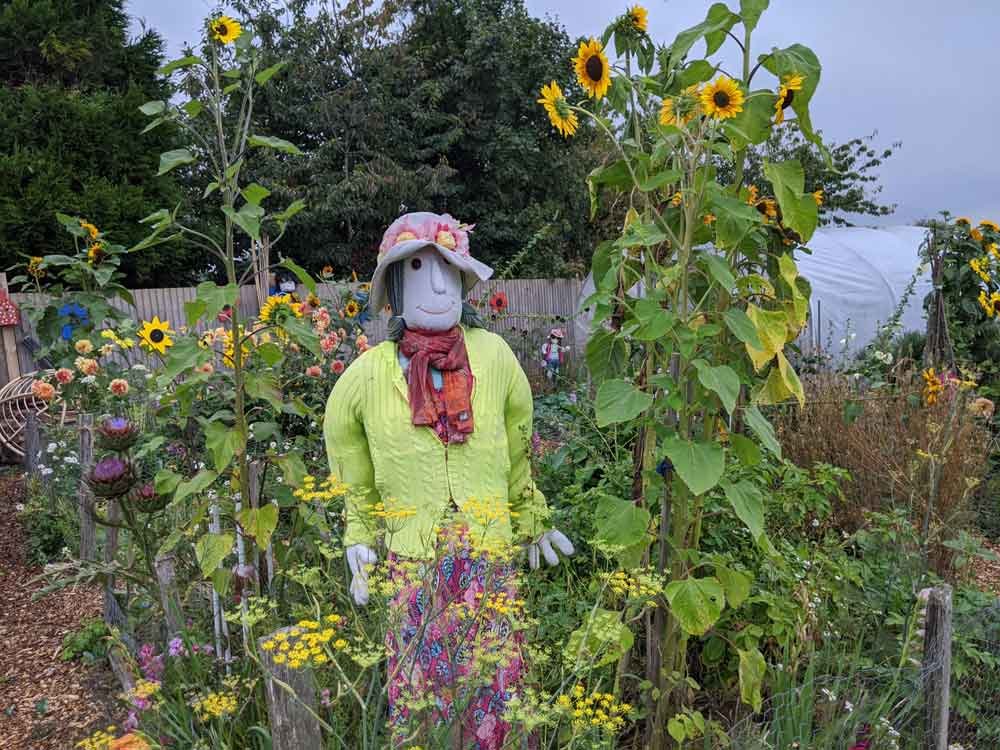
column 937, row 667
column 32, row 443
column 112, row 611
column 85, row 498
column 291, row 702
column 164, row 565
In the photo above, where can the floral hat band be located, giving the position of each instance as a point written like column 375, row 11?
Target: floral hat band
column 440, row 230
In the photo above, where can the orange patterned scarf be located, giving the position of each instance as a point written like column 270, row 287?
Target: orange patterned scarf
column 444, row 351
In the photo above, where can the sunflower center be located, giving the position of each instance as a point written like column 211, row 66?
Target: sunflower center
column 595, row 68
column 996, row 305
column 720, row 99
column 221, row 28
column 156, row 336
column 787, row 101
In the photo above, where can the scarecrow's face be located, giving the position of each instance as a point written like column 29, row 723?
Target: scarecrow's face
column 432, row 292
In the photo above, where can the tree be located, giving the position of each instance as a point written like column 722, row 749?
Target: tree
column 422, row 105
column 72, row 84
column 851, row 186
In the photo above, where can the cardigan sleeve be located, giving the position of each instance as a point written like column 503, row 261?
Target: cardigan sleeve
column 348, row 454
column 526, row 500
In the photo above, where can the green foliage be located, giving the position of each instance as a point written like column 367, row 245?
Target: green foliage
column 427, row 105
column 69, row 119
column 88, row 643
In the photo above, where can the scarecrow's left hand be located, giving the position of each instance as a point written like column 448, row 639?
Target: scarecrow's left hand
column 544, row 545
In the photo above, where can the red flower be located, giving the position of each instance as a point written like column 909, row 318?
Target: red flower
column 498, row 301
column 336, row 367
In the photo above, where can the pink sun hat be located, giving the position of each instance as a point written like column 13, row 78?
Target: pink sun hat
column 411, row 233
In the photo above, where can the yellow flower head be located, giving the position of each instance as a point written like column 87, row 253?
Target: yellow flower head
column 351, row 309
column 154, row 335
column 708, row 219
column 991, row 225
column 225, row 29
column 976, row 234
column 35, row 266
column 722, row 99
column 990, row 304
column 279, row 307
column 561, row 116
column 786, row 94
column 980, row 266
column 963, row 221
column 592, row 69
column 95, row 252
column 638, row 16
column 818, row 197
column 91, row 229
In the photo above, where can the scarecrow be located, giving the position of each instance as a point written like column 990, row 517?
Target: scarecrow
column 554, row 353
column 436, row 421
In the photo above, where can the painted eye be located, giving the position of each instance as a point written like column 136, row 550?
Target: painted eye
column 415, row 264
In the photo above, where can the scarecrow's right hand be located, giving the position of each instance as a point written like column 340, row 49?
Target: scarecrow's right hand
column 359, row 556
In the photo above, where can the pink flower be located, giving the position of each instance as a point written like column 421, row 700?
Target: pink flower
column 314, row 371
column 64, row 375
column 86, row 366
column 329, row 343
column 336, row 367
column 321, row 319
column 206, row 369
column 119, row 387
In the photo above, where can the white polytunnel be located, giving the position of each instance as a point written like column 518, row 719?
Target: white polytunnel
column 858, row 276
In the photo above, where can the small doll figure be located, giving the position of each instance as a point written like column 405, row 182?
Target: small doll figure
column 554, row 353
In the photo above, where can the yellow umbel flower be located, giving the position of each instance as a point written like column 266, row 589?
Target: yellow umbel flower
column 639, row 17
column 278, row 307
column 561, row 116
column 225, row 29
column 722, row 99
column 932, row 386
column 592, row 69
column 154, row 335
column 786, row 94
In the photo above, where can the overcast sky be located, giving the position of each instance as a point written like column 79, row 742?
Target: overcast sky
column 918, row 71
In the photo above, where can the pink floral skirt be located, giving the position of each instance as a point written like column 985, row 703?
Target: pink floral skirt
column 454, row 654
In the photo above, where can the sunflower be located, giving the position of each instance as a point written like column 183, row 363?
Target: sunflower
column 225, row 29
column 786, row 94
column 990, row 304
column 561, row 116
column 708, row 219
column 91, row 229
column 980, row 265
column 592, row 69
column 351, row 309
column 154, row 335
column 991, row 225
column 976, row 234
column 95, row 253
column 676, row 199
column 768, row 207
column 278, row 307
column 638, row 16
column 752, row 193
column 994, row 250
column 669, row 115
column 722, row 99
column 818, row 197
column 365, row 287
column 963, row 221
column 35, row 268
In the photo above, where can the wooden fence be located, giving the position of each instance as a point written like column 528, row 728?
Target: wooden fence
column 534, row 307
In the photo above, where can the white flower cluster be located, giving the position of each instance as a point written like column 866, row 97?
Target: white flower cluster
column 883, row 357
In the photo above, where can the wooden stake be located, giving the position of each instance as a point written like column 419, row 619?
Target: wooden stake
column 937, row 667
column 85, row 499
column 291, row 703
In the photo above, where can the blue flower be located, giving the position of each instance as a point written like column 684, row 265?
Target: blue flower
column 664, row 468
column 365, row 315
column 75, row 316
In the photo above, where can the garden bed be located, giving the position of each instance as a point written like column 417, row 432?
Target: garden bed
column 48, row 703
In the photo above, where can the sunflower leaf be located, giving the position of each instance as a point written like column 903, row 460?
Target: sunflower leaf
column 799, row 211
column 179, row 64
column 269, row 141
column 268, row 73
column 154, row 107
column 800, row 60
column 751, row 11
column 172, row 159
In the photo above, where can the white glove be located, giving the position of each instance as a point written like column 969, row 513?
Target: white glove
column 544, row 545
column 358, row 556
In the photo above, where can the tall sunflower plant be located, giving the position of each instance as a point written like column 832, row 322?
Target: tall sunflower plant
column 222, row 374
column 696, row 304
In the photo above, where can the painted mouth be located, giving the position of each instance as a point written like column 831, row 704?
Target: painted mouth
column 434, row 312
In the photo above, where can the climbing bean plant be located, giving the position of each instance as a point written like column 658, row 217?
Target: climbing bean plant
column 696, row 304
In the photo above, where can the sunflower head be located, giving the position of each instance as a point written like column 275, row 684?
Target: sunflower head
column 154, row 335
column 561, row 116
column 278, row 308
column 976, row 234
column 722, row 99
column 963, row 221
column 224, row 29
column 351, row 309
column 991, row 225
column 680, row 110
column 818, row 196
column 91, row 230
column 638, row 17
column 592, row 69
column 95, row 253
